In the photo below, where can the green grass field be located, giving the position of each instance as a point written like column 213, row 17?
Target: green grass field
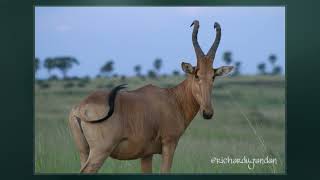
column 249, row 121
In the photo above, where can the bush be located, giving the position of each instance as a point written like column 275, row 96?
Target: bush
column 39, row 81
column 68, row 85
column 152, row 74
column 67, row 78
column 85, row 80
column 142, row 77
column 74, row 78
column 123, row 78
column 44, row 85
column 108, row 86
column 176, row 73
column 53, row 78
column 81, row 84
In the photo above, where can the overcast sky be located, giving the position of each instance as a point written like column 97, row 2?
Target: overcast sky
column 138, row 35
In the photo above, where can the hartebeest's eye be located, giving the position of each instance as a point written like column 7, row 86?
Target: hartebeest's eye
column 196, row 76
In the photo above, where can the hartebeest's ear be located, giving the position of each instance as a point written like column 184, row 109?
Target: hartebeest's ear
column 187, row 68
column 222, row 70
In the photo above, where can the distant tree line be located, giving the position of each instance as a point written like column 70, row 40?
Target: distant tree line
column 275, row 69
column 107, row 69
column 65, row 63
column 228, row 59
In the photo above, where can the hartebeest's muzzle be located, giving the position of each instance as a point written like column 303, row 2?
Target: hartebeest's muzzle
column 207, row 110
column 207, row 115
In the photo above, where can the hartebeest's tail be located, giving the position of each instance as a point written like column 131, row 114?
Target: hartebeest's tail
column 111, row 102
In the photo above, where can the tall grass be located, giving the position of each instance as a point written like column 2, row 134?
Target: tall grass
column 260, row 99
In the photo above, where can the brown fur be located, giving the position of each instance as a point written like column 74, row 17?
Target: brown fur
column 146, row 121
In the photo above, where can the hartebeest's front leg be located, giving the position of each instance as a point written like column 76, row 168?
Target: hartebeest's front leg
column 168, row 149
column 146, row 164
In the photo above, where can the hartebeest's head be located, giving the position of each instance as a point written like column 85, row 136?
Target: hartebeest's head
column 203, row 75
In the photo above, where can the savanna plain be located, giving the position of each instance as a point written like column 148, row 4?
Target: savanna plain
column 249, row 121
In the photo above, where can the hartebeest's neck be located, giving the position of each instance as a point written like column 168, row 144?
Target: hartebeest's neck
column 186, row 101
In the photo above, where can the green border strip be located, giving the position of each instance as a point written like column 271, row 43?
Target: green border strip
column 159, row 3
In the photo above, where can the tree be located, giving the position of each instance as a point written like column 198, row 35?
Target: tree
column 36, row 64
column 262, row 68
column 49, row 64
column 237, row 66
column 157, row 64
column 64, row 64
column 227, row 57
column 276, row 70
column 176, row 73
column 107, row 68
column 272, row 59
column 152, row 74
column 137, row 69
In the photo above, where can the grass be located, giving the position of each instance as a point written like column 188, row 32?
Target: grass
column 260, row 98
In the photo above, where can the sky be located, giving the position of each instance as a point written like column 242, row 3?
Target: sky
column 138, row 35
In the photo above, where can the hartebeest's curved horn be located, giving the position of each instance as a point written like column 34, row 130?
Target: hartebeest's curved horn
column 197, row 49
column 212, row 52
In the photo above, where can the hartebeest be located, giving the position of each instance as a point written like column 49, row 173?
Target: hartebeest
column 150, row 120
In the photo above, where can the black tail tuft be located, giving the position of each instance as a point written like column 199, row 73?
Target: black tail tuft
column 111, row 101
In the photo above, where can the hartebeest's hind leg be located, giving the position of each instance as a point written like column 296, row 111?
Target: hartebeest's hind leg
column 98, row 154
column 146, row 164
column 80, row 140
column 95, row 160
column 168, row 148
column 101, row 144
